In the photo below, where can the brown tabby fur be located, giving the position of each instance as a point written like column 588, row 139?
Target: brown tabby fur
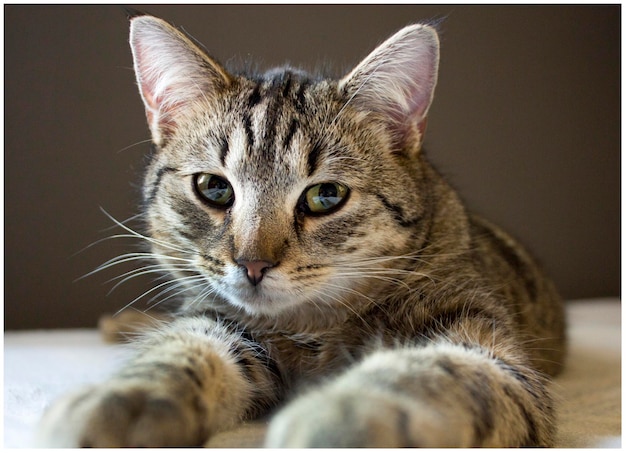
column 396, row 319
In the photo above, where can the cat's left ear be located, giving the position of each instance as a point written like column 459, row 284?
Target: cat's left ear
column 397, row 82
column 172, row 72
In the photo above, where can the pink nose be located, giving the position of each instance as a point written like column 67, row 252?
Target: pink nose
column 255, row 270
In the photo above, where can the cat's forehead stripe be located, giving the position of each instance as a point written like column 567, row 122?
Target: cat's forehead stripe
column 223, row 150
column 271, row 114
column 293, row 127
column 248, row 128
column 254, row 97
column 313, row 158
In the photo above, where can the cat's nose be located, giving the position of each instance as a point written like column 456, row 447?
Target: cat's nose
column 255, row 270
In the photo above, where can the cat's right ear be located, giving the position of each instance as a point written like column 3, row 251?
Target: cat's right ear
column 397, row 81
column 172, row 72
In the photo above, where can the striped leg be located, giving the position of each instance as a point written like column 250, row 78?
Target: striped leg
column 188, row 380
column 440, row 395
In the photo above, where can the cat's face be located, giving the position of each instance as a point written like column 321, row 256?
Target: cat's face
column 282, row 191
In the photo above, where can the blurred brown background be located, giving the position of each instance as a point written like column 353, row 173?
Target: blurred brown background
column 526, row 123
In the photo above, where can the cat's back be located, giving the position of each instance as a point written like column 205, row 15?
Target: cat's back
column 535, row 303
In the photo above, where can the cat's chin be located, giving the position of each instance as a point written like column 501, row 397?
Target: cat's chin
column 276, row 296
column 257, row 301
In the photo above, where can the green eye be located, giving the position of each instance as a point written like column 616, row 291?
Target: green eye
column 324, row 198
column 215, row 190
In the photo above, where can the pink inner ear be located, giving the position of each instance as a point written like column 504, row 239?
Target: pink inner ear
column 421, row 97
column 397, row 80
column 172, row 72
column 146, row 86
column 163, row 120
column 147, row 79
column 409, row 112
column 159, row 110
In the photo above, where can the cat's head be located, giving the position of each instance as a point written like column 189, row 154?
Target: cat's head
column 283, row 190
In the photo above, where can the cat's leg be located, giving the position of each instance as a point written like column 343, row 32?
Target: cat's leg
column 189, row 379
column 440, row 395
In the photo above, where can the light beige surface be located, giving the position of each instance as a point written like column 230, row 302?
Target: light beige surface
column 588, row 392
column 39, row 366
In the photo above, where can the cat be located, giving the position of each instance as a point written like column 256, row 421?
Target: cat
column 331, row 278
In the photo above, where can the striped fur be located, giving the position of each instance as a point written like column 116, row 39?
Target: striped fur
column 396, row 318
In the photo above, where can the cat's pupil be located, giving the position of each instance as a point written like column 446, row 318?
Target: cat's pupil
column 325, row 198
column 217, row 187
column 328, row 195
column 215, row 190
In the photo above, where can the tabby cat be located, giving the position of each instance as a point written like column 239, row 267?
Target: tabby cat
column 332, row 279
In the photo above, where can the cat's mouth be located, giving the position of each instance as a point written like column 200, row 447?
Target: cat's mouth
column 276, row 293
column 270, row 296
column 260, row 300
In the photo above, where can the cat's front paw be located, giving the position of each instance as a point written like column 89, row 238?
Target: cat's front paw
column 359, row 418
column 123, row 415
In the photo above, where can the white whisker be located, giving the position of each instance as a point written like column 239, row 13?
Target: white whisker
column 178, row 283
column 128, row 257
column 188, row 285
column 206, row 292
column 141, row 236
column 157, row 269
column 141, row 142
